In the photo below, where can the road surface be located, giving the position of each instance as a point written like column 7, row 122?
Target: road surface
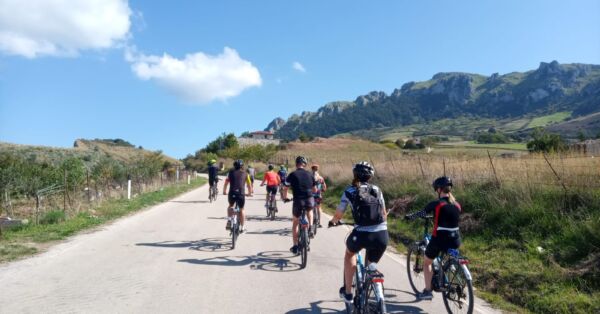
column 175, row 258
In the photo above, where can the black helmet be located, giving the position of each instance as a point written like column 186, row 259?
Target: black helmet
column 238, row 164
column 270, row 167
column 301, row 160
column 363, row 171
column 441, row 183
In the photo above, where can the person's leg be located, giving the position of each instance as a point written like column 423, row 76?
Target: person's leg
column 295, row 230
column 428, row 273
column 349, row 269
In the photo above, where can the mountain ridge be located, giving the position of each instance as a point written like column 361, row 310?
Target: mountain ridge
column 552, row 87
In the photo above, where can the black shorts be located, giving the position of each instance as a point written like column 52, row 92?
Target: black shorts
column 374, row 242
column 212, row 182
column 237, row 198
column 271, row 190
column 441, row 244
column 300, row 204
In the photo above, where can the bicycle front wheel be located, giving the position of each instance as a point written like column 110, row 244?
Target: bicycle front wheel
column 315, row 221
column 458, row 297
column 414, row 267
column 234, row 234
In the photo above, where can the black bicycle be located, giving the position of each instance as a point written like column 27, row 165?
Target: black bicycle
column 271, row 206
column 451, row 276
column 213, row 192
column 235, row 226
column 303, row 237
column 316, row 219
column 369, row 292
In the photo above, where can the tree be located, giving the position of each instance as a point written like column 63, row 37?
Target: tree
column 303, row 137
column 410, row 144
column 546, row 142
column 580, row 136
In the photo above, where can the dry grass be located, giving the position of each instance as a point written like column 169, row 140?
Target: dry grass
column 336, row 157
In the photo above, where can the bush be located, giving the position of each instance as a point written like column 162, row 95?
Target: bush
column 53, row 217
column 546, row 142
column 492, row 138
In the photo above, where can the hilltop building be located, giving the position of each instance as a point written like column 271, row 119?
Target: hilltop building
column 258, row 138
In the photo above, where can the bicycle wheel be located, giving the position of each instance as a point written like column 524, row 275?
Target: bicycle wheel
column 372, row 302
column 303, row 248
column 414, row 267
column 458, row 297
column 315, row 224
column 234, row 233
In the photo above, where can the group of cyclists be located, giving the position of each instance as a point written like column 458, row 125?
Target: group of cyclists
column 367, row 205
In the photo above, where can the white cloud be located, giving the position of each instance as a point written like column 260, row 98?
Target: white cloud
column 32, row 28
column 298, row 67
column 197, row 78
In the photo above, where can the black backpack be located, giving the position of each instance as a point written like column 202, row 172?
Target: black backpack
column 366, row 209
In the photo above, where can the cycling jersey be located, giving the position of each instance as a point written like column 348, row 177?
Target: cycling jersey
column 446, row 216
column 282, row 175
column 302, row 183
column 237, row 181
column 271, row 178
column 212, row 175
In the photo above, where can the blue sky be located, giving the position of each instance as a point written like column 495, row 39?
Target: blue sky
column 139, row 71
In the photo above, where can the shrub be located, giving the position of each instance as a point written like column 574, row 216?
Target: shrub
column 53, row 217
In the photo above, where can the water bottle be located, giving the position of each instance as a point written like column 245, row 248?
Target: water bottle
column 372, row 267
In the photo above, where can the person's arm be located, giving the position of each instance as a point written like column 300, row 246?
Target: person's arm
column 422, row 213
column 225, row 186
column 324, row 185
column 264, row 179
column 339, row 212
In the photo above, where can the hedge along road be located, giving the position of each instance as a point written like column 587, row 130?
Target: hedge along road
column 176, row 257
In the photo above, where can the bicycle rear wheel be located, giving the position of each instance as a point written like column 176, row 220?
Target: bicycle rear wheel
column 303, row 248
column 458, row 297
column 234, row 233
column 414, row 267
column 316, row 219
column 372, row 303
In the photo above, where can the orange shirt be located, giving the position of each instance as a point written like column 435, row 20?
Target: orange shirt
column 271, row 178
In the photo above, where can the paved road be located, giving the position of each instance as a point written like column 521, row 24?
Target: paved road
column 175, row 258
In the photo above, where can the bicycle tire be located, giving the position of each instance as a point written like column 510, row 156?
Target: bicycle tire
column 377, row 306
column 415, row 255
column 234, row 234
column 303, row 248
column 274, row 209
column 315, row 221
column 453, row 295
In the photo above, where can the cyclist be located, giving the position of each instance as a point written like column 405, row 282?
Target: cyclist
column 238, row 180
column 370, row 223
column 272, row 180
column 213, row 171
column 302, row 183
column 282, row 175
column 251, row 173
column 445, row 234
column 321, row 187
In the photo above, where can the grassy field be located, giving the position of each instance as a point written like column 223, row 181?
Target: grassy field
column 473, row 144
column 534, row 245
column 30, row 239
column 549, row 119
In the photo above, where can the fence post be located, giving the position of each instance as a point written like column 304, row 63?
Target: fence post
column 421, row 166
column 188, row 176
column 444, row 161
column 65, row 187
column 493, row 168
column 556, row 173
column 89, row 189
column 177, row 175
column 129, row 187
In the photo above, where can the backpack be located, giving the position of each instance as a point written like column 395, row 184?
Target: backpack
column 366, row 209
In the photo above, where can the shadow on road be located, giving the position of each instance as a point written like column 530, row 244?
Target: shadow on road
column 285, row 232
column 189, row 202
column 316, row 307
column 264, row 218
column 277, row 261
column 206, row 245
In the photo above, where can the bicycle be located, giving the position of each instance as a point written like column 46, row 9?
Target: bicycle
column 235, row 226
column 303, row 238
column 369, row 292
column 271, row 206
column 451, row 276
column 316, row 218
column 213, row 192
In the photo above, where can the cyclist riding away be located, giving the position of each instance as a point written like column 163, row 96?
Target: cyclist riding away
column 237, row 179
column 321, row 187
column 370, row 223
column 272, row 180
column 445, row 234
column 303, row 187
column 213, row 172
column 251, row 173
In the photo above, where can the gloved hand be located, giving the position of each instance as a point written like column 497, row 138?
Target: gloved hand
column 407, row 217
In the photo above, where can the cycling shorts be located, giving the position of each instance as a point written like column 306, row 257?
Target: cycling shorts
column 374, row 242
column 236, row 198
column 300, row 204
column 272, row 190
column 441, row 243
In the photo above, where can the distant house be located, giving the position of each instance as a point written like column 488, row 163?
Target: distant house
column 588, row 147
column 258, row 138
column 261, row 135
